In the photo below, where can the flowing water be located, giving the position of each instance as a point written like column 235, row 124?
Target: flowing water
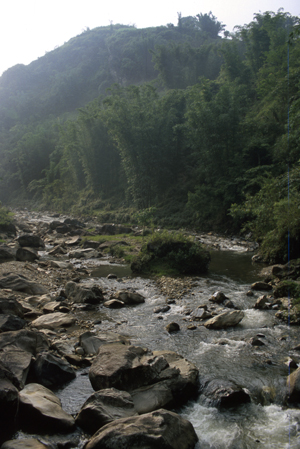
column 263, row 423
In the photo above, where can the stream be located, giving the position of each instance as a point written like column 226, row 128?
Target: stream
column 263, row 423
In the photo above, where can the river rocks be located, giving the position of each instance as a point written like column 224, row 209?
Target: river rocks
column 25, row 254
column 172, row 327
column 11, row 306
column 18, row 362
column 159, row 429
column 225, row 319
column 103, row 407
column 218, row 297
column 11, row 323
column 27, row 340
column 91, row 342
column 129, row 297
column 54, row 321
column 263, row 286
column 131, row 367
column 82, row 294
column 86, row 253
column 222, row 393
column 293, row 387
column 7, row 253
column 201, row 313
column 114, row 304
column 262, row 302
column 52, row 371
column 28, row 443
column 41, row 411
column 20, row 283
column 9, row 405
column 31, row 241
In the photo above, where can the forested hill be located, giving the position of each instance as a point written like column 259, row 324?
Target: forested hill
column 187, row 124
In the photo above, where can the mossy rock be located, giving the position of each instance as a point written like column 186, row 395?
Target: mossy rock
column 171, row 254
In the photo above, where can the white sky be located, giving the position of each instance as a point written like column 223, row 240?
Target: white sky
column 29, row 28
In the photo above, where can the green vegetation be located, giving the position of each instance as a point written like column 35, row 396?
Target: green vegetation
column 171, row 253
column 5, row 217
column 173, row 126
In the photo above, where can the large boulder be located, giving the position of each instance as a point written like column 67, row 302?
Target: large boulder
column 53, row 321
column 26, row 443
column 18, row 362
column 103, row 407
column 27, row 340
column 25, row 254
column 31, row 241
column 10, row 322
column 222, row 393
column 52, row 371
column 11, row 306
column 41, row 411
column 20, row 283
column 131, row 368
column 83, row 294
column 160, row 429
column 7, row 253
column 9, row 404
column 225, row 319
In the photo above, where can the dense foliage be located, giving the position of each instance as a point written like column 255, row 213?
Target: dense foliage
column 201, row 129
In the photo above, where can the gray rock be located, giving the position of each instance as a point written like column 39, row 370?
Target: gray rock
column 222, row 393
column 7, row 253
column 86, row 253
column 20, row 283
column 9, row 405
column 200, row 314
column 225, row 319
column 11, row 306
column 261, row 302
column 53, row 321
column 263, row 286
column 40, row 408
column 25, row 254
column 293, row 387
column 103, row 407
column 11, row 323
column 82, row 294
column 31, row 241
column 52, row 371
column 162, row 309
column 114, row 304
column 153, row 397
column 130, row 297
column 18, row 362
column 172, row 327
column 27, row 340
column 91, row 342
column 160, row 429
column 218, row 297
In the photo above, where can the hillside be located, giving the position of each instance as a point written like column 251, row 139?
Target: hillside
column 174, row 124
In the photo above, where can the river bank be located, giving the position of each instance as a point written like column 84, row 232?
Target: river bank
column 252, row 355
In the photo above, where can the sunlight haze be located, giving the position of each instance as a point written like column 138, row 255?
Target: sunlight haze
column 32, row 27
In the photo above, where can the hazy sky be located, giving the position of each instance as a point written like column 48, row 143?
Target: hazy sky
column 29, row 28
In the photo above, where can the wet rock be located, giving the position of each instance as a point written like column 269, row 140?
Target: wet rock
column 172, row 327
column 129, row 297
column 254, row 341
column 18, row 362
column 28, row 443
column 130, row 367
column 7, row 253
column 162, row 309
column 41, row 409
column 261, row 302
column 52, row 371
column 263, row 286
column 293, row 387
column 53, row 321
column 82, row 294
column 112, row 276
column 222, row 393
column 86, row 253
column 20, row 283
column 201, row 313
column 25, row 254
column 161, row 428
column 11, row 323
column 218, row 297
column 31, row 241
column 225, row 319
column 103, row 407
column 153, row 397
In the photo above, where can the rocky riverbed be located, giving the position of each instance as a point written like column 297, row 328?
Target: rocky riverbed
column 135, row 342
